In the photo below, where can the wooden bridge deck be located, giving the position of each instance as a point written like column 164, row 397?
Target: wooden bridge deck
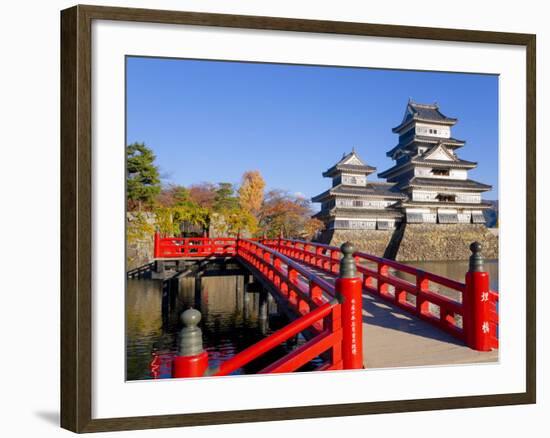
column 393, row 337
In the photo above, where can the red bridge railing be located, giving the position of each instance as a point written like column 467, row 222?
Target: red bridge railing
column 335, row 328
column 332, row 314
column 461, row 309
column 182, row 247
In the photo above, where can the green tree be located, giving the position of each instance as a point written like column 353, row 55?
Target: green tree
column 225, row 198
column 142, row 176
column 173, row 196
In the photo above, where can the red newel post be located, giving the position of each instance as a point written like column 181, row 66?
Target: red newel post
column 476, row 303
column 349, row 292
column 192, row 360
column 156, row 252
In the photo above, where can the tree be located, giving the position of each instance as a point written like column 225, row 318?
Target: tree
column 225, row 198
column 312, row 226
column 142, row 178
column 251, row 192
column 203, row 194
column 287, row 214
column 239, row 220
column 173, row 196
column 176, row 208
column 169, row 219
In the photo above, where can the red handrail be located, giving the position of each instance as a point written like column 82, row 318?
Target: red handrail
column 321, row 313
column 381, row 282
column 280, row 336
column 281, row 263
column 181, row 247
column 289, row 276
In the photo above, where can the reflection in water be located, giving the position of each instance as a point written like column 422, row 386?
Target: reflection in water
column 232, row 320
column 456, row 270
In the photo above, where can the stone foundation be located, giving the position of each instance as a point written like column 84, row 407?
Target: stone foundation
column 419, row 242
column 374, row 242
column 445, row 242
column 139, row 253
column 139, row 239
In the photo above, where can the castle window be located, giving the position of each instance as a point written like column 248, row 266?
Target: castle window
column 446, row 198
column 446, row 217
column 357, row 203
column 478, row 218
column 441, row 172
column 414, row 218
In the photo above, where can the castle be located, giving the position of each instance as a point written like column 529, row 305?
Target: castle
column 428, row 183
column 427, row 195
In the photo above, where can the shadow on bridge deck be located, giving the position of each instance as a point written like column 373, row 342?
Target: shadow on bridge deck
column 393, row 337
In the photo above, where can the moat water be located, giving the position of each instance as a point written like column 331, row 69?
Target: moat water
column 232, row 319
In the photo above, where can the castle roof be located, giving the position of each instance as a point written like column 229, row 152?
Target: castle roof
column 352, row 163
column 424, row 113
column 451, row 142
column 358, row 213
column 437, row 156
column 424, row 162
column 475, row 206
column 447, row 183
column 372, row 189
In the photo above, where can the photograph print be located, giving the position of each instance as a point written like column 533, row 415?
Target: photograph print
column 297, row 218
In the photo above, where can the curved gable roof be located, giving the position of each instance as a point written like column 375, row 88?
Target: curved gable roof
column 423, row 112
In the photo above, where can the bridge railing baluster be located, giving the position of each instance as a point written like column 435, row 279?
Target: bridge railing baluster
column 437, row 299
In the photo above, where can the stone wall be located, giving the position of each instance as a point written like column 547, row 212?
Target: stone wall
column 374, row 242
column 445, row 242
column 139, row 245
column 419, row 242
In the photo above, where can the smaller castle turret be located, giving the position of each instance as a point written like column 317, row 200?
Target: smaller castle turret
column 353, row 202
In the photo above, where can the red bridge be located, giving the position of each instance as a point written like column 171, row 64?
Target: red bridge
column 358, row 310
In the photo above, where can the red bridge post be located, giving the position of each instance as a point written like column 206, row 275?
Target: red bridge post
column 476, row 303
column 156, row 252
column 349, row 292
column 192, row 360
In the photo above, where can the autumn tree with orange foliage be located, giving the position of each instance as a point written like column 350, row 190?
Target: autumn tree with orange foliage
column 288, row 214
column 251, row 192
column 204, row 194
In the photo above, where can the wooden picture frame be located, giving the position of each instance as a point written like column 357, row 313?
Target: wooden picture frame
column 76, row 218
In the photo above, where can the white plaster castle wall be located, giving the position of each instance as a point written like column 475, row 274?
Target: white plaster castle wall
column 362, row 203
column 362, row 224
column 423, row 171
column 354, row 180
column 458, row 174
column 468, row 197
column 426, row 172
column 465, row 217
column 424, row 129
column 428, row 216
column 353, row 223
column 421, row 195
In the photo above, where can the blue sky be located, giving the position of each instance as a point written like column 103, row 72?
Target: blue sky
column 212, row 121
